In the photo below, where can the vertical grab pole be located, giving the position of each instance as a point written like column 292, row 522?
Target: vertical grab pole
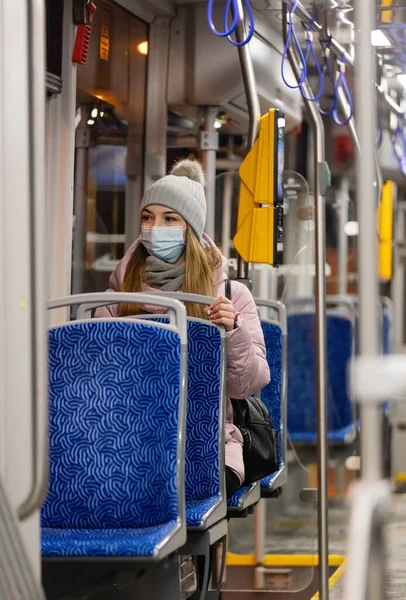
column 38, row 267
column 227, row 198
column 320, row 186
column 209, row 147
column 370, row 497
column 365, row 19
column 254, row 112
column 82, row 144
column 342, row 202
column 254, row 109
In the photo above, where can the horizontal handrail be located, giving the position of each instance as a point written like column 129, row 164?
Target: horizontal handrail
column 175, row 307
column 84, row 312
column 279, row 307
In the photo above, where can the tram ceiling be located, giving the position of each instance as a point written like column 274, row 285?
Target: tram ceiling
column 335, row 21
column 197, row 78
column 148, row 10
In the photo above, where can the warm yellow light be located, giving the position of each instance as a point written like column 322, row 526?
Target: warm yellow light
column 143, row 48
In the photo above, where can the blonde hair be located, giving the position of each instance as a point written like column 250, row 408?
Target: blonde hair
column 201, row 267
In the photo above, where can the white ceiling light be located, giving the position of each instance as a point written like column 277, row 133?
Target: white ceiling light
column 402, row 79
column 351, row 228
column 218, row 124
column 379, row 39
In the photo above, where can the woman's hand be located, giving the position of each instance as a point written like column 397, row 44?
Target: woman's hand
column 222, row 312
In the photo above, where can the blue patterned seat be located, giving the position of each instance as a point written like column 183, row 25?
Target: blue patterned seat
column 302, row 422
column 272, row 394
column 204, row 485
column 244, row 497
column 115, row 424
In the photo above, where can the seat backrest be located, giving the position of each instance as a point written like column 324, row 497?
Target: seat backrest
column 205, row 437
column 272, row 394
column 302, row 372
column 116, row 425
column 205, row 443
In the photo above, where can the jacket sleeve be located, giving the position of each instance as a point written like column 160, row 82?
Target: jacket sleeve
column 247, row 367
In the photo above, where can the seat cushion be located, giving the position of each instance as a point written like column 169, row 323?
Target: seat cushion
column 104, row 542
column 237, row 498
column 266, row 482
column 197, row 510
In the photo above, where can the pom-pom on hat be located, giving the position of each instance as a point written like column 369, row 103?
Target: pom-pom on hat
column 183, row 192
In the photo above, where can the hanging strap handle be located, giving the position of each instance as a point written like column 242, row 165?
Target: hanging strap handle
column 290, row 9
column 342, row 81
column 310, row 52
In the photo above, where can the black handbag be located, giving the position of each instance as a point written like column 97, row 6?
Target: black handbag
column 260, row 449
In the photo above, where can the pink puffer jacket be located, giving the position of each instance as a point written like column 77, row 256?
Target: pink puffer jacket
column 247, row 368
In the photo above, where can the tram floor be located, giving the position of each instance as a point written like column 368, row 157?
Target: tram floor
column 291, row 529
column 395, row 574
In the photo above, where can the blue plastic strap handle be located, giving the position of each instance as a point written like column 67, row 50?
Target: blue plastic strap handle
column 342, row 81
column 310, row 51
column 210, row 20
column 251, row 20
column 292, row 33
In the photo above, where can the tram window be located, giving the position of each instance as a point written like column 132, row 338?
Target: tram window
column 111, row 97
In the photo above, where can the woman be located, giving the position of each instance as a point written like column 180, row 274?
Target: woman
column 174, row 254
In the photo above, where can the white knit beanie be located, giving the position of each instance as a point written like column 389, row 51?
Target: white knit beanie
column 183, row 192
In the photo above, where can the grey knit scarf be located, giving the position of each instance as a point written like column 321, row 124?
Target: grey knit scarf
column 164, row 276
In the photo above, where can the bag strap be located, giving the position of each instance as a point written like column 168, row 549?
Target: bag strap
column 228, row 289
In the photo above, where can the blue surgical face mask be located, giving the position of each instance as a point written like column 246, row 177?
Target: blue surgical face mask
column 166, row 243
